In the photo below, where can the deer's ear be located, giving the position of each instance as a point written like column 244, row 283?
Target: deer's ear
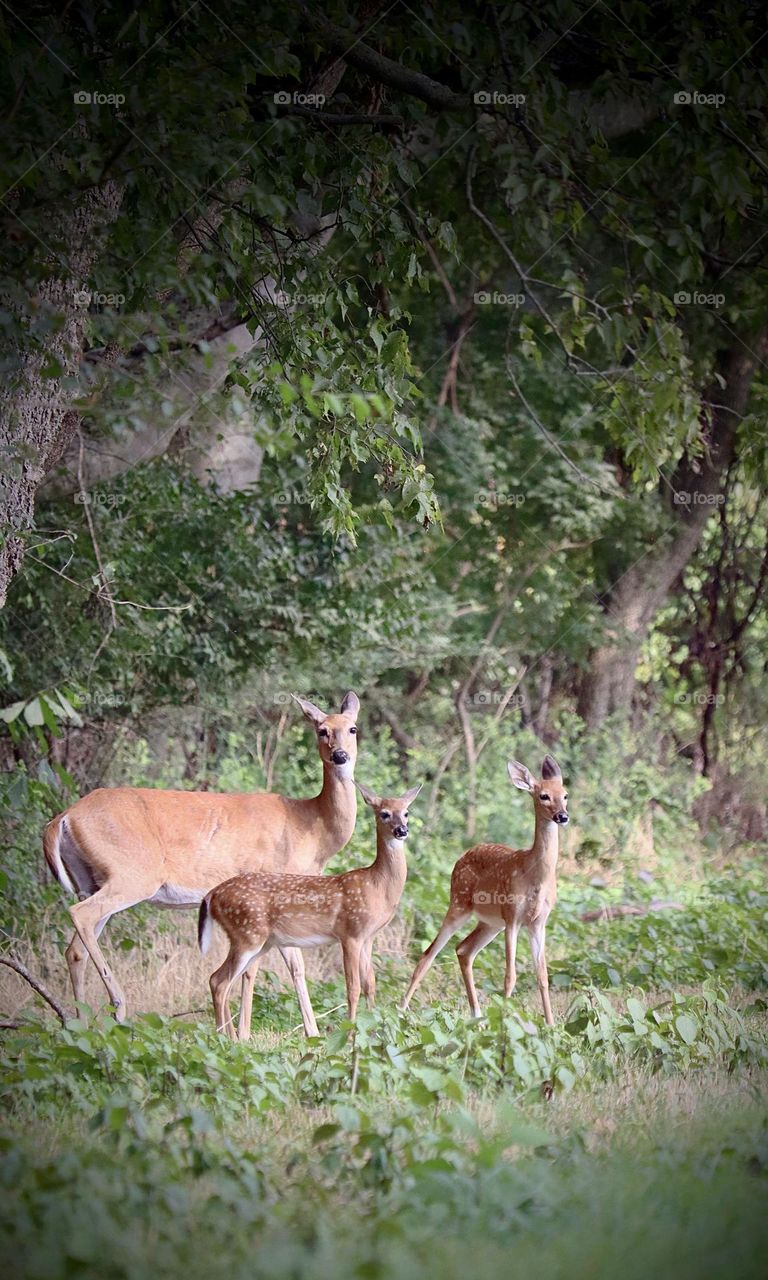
column 519, row 776
column 312, row 713
column 369, row 796
column 351, row 704
column 411, row 795
column 550, row 769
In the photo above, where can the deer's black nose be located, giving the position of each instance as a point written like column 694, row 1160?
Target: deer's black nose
column 339, row 757
column 401, row 832
column 562, row 818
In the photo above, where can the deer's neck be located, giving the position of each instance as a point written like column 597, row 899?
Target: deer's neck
column 337, row 809
column 545, row 843
column 390, row 870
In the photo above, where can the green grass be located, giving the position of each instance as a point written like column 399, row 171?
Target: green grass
column 641, row 1181
column 629, row 1140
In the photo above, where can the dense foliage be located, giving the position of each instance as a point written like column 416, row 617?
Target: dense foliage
column 422, row 354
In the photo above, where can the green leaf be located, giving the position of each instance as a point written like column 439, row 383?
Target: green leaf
column 33, row 713
column 11, row 713
column 635, row 1009
column 326, row 1131
column 687, row 1028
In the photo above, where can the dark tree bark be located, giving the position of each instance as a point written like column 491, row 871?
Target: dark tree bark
column 37, row 420
column 634, row 600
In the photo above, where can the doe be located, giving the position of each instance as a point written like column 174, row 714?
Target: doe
column 505, row 889
column 260, row 910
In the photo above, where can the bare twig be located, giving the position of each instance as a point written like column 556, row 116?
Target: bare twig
column 132, row 604
column 440, row 771
column 448, row 390
column 401, row 737
column 105, row 591
column 430, row 248
column 273, row 748
column 554, row 444
column 342, row 117
column 325, row 1014
column 382, row 68
column 37, row 986
column 505, row 701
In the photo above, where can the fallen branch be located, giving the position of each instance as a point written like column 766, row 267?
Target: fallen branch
column 24, row 973
column 617, row 910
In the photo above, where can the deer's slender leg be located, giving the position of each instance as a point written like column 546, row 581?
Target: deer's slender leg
column 246, row 1000
column 367, row 975
column 466, row 951
column 222, row 981
column 452, row 922
column 351, row 949
column 77, row 959
column 537, row 934
column 89, row 918
column 511, row 930
column 295, row 961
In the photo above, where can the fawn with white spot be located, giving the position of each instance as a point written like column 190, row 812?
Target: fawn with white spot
column 259, row 911
column 506, row 889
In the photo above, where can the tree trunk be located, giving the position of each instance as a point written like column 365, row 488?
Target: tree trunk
column 636, row 597
column 36, row 418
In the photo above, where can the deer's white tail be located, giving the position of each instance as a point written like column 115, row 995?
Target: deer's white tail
column 52, row 850
column 204, row 926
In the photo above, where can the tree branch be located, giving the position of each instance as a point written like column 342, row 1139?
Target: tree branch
column 24, row 973
column 384, row 69
column 342, row 117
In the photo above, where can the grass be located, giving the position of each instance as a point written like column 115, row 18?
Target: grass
column 641, row 1176
column 631, row 1139
column 165, row 972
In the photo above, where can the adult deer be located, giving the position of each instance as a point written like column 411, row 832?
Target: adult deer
column 506, row 889
column 258, row 911
column 125, row 845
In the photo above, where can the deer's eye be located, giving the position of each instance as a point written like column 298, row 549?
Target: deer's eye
column 565, row 797
column 544, row 796
column 385, row 814
column 353, row 729
column 323, row 733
